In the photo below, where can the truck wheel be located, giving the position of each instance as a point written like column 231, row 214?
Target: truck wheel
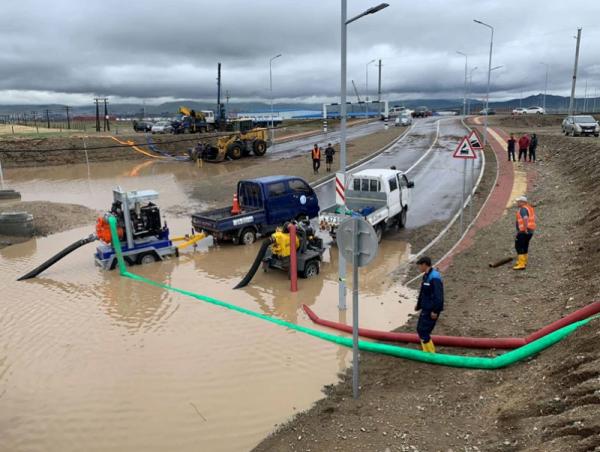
column 234, row 151
column 402, row 218
column 260, row 148
column 311, row 269
column 379, row 232
column 247, row 237
column 146, row 258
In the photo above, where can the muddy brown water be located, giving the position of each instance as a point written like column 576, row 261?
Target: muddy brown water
column 90, row 360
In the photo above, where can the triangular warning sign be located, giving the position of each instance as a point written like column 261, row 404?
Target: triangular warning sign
column 475, row 141
column 464, row 150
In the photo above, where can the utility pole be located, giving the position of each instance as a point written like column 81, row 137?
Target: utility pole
column 67, row 108
column 585, row 98
column 227, row 96
column 379, row 90
column 106, row 121
column 97, row 101
column 575, row 72
column 465, row 93
column 48, row 118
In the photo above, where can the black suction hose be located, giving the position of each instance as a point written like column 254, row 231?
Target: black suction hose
column 54, row 259
column 259, row 257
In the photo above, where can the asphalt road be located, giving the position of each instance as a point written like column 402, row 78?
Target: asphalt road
column 425, row 153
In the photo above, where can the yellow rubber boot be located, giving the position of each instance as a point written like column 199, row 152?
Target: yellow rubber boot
column 424, row 346
column 525, row 260
column 520, row 265
column 430, row 346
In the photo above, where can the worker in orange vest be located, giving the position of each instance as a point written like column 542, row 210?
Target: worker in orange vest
column 525, row 226
column 316, row 158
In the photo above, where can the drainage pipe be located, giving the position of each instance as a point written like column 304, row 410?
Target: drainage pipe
column 402, row 352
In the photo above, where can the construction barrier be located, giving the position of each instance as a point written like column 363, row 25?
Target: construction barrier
column 472, row 362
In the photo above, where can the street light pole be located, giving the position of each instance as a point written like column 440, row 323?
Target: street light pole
column 487, row 96
column 470, row 90
column 343, row 81
column 271, row 90
column 465, row 96
column 367, row 90
column 545, row 86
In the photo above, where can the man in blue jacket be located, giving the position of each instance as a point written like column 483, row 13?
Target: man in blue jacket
column 430, row 302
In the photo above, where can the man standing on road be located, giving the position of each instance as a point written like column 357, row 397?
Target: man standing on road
column 532, row 147
column 329, row 153
column 523, row 146
column 316, row 158
column 430, row 302
column 511, row 147
column 525, row 226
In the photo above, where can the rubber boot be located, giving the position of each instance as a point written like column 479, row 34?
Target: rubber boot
column 424, row 346
column 520, row 265
column 525, row 260
column 430, row 346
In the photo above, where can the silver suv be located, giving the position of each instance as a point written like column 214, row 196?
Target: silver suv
column 580, row 125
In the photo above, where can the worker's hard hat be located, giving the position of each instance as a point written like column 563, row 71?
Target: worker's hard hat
column 521, row 199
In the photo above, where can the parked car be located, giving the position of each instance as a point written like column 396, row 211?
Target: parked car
column 380, row 196
column 487, row 111
column 421, row 112
column 405, row 119
column 265, row 203
column 580, row 125
column 518, row 111
column 535, row 111
column 162, row 127
column 142, row 126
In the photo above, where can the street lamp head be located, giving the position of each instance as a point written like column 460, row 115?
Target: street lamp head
column 377, row 8
column 483, row 23
column 461, row 53
column 372, row 61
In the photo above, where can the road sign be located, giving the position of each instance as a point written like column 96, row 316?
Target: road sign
column 464, row 150
column 358, row 243
column 365, row 248
column 475, row 141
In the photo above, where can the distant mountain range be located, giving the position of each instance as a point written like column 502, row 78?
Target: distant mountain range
column 170, row 108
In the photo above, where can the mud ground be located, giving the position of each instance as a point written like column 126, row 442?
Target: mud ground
column 48, row 218
column 547, row 403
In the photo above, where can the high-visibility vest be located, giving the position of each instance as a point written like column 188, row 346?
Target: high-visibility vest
column 316, row 154
column 530, row 221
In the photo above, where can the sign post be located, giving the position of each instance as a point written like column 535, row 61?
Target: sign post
column 464, row 151
column 357, row 242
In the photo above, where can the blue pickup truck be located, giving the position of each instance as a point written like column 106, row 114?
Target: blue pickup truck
column 265, row 203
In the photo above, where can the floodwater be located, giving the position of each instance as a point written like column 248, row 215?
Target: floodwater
column 93, row 361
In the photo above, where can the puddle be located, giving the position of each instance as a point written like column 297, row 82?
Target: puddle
column 88, row 357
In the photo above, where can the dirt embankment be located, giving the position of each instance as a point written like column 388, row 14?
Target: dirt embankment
column 548, row 403
column 49, row 218
column 529, row 122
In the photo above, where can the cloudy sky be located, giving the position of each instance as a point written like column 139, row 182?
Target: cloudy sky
column 67, row 51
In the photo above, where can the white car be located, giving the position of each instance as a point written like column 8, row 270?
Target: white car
column 162, row 127
column 518, row 111
column 405, row 119
column 535, row 111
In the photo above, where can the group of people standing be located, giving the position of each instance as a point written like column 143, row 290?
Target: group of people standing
column 526, row 145
column 316, row 157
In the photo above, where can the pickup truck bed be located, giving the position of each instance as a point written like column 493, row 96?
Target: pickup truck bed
column 370, row 206
column 221, row 220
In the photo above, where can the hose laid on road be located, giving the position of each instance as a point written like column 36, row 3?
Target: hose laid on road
column 154, row 148
column 401, row 352
column 58, row 256
column 259, row 257
column 458, row 341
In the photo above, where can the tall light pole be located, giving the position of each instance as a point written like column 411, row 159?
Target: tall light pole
column 367, row 89
column 271, row 90
column 470, row 90
column 574, row 83
column 344, row 25
column 465, row 96
column 545, row 86
column 487, row 96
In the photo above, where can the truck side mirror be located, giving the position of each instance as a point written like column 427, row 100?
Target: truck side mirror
column 410, row 184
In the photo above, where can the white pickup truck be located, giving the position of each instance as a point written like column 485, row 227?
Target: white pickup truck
column 381, row 196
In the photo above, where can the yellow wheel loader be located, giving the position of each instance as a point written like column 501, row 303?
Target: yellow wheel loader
column 244, row 140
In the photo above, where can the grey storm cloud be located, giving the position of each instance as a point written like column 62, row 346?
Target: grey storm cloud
column 169, row 49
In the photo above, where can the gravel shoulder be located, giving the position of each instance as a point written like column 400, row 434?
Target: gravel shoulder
column 549, row 402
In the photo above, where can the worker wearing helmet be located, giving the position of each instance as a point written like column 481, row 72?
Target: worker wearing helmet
column 430, row 302
column 525, row 226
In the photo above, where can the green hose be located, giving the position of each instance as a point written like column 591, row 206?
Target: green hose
column 472, row 362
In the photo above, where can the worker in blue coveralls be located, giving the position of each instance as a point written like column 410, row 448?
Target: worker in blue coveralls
column 430, row 302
